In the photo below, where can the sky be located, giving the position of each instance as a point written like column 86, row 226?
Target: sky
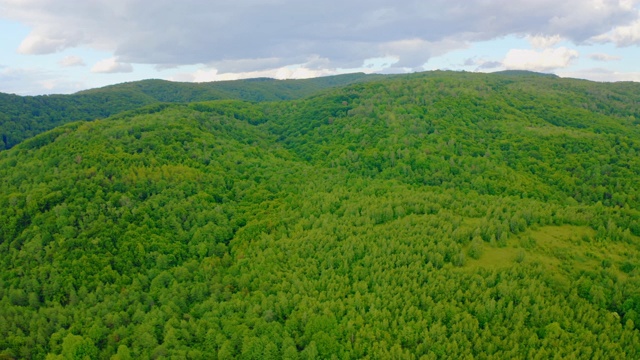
column 64, row 46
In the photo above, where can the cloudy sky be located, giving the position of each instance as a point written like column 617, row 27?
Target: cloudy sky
column 63, row 46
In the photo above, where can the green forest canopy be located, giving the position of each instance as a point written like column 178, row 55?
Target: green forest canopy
column 22, row 117
column 421, row 216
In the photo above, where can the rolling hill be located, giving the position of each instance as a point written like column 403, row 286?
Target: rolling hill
column 22, row 117
column 432, row 215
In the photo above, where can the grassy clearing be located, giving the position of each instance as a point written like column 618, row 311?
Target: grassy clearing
column 569, row 248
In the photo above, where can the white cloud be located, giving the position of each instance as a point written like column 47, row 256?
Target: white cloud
column 600, row 74
column 243, row 65
column 622, row 35
column 544, row 42
column 30, row 81
column 480, row 64
column 313, row 67
column 111, row 66
column 413, row 53
column 604, row 57
column 70, row 61
column 36, row 44
column 489, row 65
column 289, row 72
column 629, row 4
column 545, row 60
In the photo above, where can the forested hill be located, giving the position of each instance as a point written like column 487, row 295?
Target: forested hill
column 23, row 117
column 435, row 215
column 255, row 90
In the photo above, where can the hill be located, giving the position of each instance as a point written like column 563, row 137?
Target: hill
column 422, row 216
column 524, row 73
column 24, row 117
column 255, row 90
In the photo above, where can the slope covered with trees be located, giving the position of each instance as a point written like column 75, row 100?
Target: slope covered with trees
column 436, row 215
column 22, row 117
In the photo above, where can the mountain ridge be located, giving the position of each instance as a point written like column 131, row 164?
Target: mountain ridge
column 24, row 116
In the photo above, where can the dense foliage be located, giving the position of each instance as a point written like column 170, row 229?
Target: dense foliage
column 436, row 215
column 22, row 117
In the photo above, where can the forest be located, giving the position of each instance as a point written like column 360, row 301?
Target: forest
column 22, row 117
column 423, row 216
